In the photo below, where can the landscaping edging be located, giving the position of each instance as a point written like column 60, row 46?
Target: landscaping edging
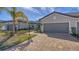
column 19, row 46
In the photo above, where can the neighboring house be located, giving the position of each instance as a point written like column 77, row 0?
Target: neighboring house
column 3, row 28
column 18, row 26
column 9, row 26
column 57, row 22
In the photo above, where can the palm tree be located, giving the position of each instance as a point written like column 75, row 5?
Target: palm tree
column 14, row 14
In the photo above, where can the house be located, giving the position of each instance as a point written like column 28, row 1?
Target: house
column 8, row 25
column 57, row 22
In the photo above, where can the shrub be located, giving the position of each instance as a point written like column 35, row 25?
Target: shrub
column 74, row 34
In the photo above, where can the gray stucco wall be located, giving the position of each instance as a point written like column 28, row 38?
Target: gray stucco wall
column 58, row 18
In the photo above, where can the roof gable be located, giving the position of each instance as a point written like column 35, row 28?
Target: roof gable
column 69, row 15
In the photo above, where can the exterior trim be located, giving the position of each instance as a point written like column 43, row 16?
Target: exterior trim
column 69, row 28
column 42, row 27
column 76, row 26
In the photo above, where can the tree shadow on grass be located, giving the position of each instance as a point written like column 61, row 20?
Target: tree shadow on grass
column 4, row 40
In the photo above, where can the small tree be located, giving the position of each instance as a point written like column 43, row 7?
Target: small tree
column 14, row 14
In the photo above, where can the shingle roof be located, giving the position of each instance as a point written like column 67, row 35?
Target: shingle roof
column 74, row 14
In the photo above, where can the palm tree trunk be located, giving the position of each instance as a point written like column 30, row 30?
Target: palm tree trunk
column 14, row 25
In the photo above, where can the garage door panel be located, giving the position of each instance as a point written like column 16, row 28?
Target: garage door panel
column 56, row 27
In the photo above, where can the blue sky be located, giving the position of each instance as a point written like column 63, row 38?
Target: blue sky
column 35, row 13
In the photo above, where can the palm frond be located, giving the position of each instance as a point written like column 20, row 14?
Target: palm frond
column 22, row 15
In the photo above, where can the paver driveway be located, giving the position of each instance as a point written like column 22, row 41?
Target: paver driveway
column 50, row 42
column 53, row 42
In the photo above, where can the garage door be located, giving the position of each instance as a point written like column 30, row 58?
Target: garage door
column 78, row 26
column 56, row 27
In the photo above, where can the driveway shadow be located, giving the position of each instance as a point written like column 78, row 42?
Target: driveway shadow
column 63, row 36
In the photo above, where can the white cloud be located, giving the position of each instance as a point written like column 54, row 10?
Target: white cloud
column 32, row 9
column 78, row 9
column 51, row 9
column 43, row 8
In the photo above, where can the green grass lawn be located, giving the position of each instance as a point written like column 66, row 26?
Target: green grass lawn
column 22, row 31
column 2, row 33
column 15, row 40
column 21, row 36
column 6, row 33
